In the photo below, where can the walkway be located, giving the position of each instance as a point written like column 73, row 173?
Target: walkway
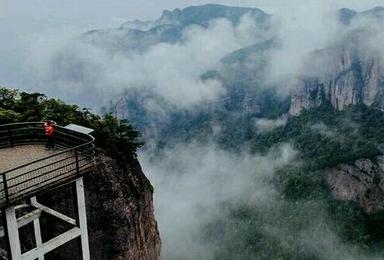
column 27, row 169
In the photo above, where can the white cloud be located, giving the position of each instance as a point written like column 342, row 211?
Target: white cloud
column 192, row 181
column 172, row 71
column 32, row 29
column 307, row 28
column 266, row 125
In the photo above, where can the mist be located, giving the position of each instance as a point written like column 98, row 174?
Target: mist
column 171, row 71
column 58, row 62
column 193, row 182
column 264, row 125
column 49, row 56
column 196, row 185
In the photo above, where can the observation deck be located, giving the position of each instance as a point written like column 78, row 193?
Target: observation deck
column 27, row 168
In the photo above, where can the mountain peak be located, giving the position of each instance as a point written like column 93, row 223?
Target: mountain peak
column 346, row 15
column 198, row 15
column 377, row 12
column 378, row 9
column 202, row 14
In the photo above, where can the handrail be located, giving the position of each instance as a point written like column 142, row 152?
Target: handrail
column 49, row 156
column 28, row 179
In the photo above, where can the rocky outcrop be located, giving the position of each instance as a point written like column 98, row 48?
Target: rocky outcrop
column 351, row 78
column 361, row 182
column 120, row 213
column 348, row 72
column 120, row 194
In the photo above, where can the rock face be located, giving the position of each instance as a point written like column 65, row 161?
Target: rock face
column 351, row 78
column 120, row 213
column 349, row 71
column 361, row 182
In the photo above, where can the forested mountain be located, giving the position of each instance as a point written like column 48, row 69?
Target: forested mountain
column 332, row 118
column 141, row 35
column 247, row 163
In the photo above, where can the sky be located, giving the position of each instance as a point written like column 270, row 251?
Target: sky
column 110, row 13
column 32, row 30
column 24, row 23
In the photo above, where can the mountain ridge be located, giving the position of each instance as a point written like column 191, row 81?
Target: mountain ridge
column 140, row 35
column 198, row 15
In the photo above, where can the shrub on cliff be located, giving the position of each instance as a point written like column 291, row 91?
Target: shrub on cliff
column 120, row 139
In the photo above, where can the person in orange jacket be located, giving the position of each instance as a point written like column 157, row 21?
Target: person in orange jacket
column 49, row 133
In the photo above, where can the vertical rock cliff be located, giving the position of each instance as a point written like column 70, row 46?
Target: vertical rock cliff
column 120, row 213
column 349, row 76
column 347, row 72
column 361, row 181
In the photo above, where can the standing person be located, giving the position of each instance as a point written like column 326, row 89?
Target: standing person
column 49, row 133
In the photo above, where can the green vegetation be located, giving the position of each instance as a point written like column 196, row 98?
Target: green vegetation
column 230, row 123
column 325, row 137
column 303, row 209
column 117, row 137
column 304, row 222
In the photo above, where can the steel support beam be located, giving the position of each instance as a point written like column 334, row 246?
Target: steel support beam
column 53, row 212
column 51, row 244
column 12, row 225
column 13, row 233
column 37, row 230
column 82, row 218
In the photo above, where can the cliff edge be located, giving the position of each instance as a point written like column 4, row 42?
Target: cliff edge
column 120, row 213
column 121, row 219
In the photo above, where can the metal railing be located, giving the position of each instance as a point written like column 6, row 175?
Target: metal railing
column 73, row 158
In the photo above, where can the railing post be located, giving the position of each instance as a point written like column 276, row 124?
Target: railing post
column 4, row 224
column 77, row 162
column 82, row 218
column 5, row 189
column 10, row 136
column 13, row 233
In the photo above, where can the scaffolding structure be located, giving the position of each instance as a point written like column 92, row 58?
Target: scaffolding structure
column 21, row 184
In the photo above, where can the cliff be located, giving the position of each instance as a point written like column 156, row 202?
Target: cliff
column 120, row 213
column 361, row 181
column 349, row 76
column 347, row 72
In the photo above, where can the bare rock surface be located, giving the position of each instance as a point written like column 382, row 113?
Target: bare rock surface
column 342, row 74
column 361, row 182
column 120, row 211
